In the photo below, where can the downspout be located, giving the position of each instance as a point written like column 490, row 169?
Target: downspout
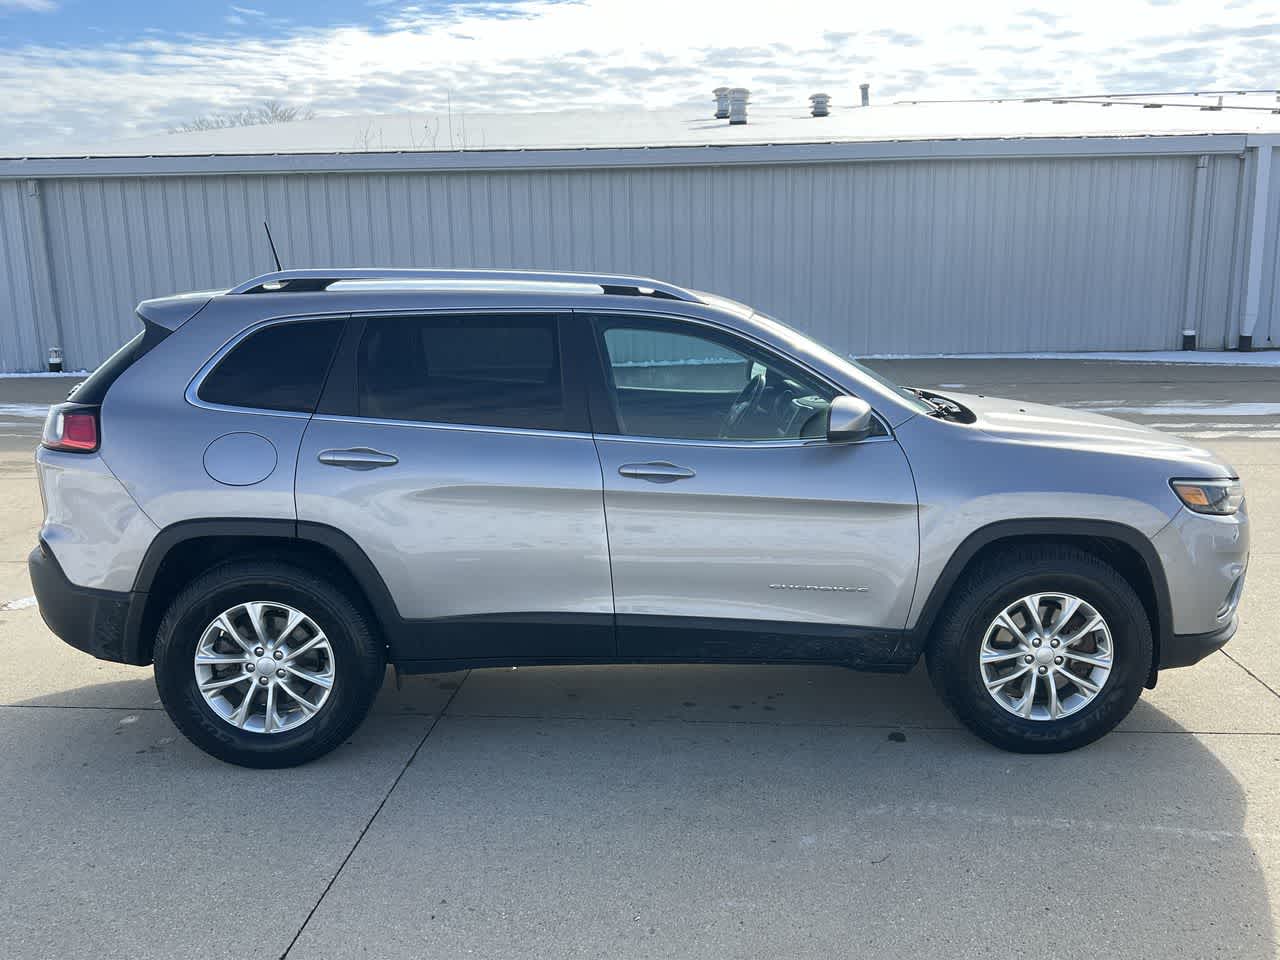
column 1257, row 241
column 1195, row 256
column 40, row 263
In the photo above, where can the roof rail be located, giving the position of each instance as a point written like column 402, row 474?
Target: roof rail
column 298, row 281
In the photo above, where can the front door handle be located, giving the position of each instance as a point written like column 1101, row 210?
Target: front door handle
column 657, row 472
column 357, row 458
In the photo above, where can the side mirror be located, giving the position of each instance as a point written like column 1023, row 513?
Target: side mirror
column 849, row 419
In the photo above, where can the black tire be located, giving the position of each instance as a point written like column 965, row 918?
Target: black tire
column 1002, row 579
column 358, row 659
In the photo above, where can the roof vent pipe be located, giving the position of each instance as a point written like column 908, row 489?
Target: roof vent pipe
column 738, row 105
column 821, row 104
column 866, row 93
column 722, row 102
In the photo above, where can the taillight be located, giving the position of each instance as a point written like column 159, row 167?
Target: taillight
column 72, row 427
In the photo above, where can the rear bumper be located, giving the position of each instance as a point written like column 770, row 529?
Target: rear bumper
column 1184, row 649
column 103, row 623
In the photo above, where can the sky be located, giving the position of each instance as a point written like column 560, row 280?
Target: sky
column 85, row 72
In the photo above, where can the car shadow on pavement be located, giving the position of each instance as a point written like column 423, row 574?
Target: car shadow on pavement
column 790, row 811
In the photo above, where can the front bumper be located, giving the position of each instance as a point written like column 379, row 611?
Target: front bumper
column 103, row 623
column 1204, row 559
column 1184, row 649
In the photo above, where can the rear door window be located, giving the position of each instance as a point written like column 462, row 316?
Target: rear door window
column 479, row 370
column 280, row 367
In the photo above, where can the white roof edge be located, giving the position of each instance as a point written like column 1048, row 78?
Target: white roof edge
column 603, row 157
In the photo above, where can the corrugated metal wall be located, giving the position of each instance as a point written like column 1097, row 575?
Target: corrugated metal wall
column 1216, row 290
column 20, row 340
column 991, row 255
column 1267, row 333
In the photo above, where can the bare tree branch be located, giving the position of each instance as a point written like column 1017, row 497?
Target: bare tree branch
column 270, row 111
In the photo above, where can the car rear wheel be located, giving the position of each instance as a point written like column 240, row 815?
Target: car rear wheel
column 264, row 664
column 1042, row 649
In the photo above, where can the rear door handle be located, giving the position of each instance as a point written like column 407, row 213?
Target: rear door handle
column 657, row 472
column 357, row 458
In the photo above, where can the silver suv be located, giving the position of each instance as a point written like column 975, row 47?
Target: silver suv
column 275, row 490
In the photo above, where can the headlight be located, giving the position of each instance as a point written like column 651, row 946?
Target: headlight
column 1221, row 497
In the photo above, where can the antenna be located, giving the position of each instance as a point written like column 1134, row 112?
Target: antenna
column 266, row 227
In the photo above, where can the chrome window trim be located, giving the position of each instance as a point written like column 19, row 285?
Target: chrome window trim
column 573, row 435
column 193, row 387
column 191, row 394
column 756, row 341
column 465, row 427
column 746, row 444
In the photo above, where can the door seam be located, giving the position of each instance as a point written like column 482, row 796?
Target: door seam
column 608, row 546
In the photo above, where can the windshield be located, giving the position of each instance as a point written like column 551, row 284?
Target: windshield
column 828, row 355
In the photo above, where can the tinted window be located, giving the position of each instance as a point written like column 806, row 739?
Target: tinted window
column 679, row 381
column 479, row 370
column 281, row 367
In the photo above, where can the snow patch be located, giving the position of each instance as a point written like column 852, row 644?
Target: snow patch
column 22, row 604
column 1231, row 358
column 1230, row 434
column 32, row 411
column 1194, row 425
column 24, row 376
column 1195, row 409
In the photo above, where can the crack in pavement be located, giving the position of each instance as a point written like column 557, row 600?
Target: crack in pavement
column 390, row 790
column 1272, row 690
column 98, row 706
column 75, row 706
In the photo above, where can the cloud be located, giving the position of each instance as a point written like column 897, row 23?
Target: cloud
column 550, row 55
column 27, row 6
column 1050, row 19
column 898, row 38
column 1271, row 30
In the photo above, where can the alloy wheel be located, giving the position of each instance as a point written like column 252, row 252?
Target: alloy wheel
column 1046, row 656
column 264, row 667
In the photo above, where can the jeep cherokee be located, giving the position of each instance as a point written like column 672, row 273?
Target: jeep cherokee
column 275, row 490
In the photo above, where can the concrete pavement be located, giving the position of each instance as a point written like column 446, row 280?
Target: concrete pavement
column 656, row 811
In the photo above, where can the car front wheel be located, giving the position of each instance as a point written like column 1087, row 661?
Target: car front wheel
column 1041, row 649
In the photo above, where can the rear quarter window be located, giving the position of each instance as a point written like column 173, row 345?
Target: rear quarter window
column 280, row 367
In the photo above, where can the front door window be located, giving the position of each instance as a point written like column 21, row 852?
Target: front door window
column 677, row 381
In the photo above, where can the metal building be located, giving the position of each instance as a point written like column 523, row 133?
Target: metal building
column 990, row 227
